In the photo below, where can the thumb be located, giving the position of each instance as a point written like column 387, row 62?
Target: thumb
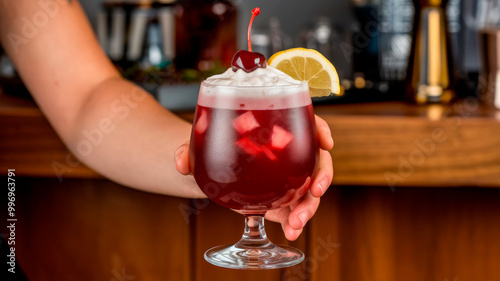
column 182, row 159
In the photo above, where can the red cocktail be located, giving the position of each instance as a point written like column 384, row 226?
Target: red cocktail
column 265, row 156
column 254, row 148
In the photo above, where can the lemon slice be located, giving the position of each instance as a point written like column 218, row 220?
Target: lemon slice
column 308, row 65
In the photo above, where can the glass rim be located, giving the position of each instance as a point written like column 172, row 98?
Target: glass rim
column 291, row 86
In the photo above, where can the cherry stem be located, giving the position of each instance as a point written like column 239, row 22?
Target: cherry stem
column 255, row 12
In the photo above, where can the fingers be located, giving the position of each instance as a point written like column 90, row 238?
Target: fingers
column 324, row 134
column 292, row 234
column 303, row 212
column 278, row 215
column 182, row 159
column 281, row 216
column 324, row 176
column 294, row 219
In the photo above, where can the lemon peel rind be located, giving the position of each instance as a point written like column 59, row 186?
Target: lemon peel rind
column 278, row 57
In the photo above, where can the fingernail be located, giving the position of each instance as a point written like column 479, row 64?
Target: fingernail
column 321, row 188
column 327, row 131
column 178, row 153
column 303, row 218
column 323, row 184
column 296, row 234
column 293, row 234
column 331, row 139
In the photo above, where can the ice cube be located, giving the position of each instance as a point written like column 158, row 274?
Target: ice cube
column 202, row 123
column 280, row 137
column 248, row 146
column 245, row 122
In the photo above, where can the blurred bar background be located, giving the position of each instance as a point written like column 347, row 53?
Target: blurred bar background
column 416, row 193
column 169, row 46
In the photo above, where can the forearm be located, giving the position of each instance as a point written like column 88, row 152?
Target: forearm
column 124, row 134
column 111, row 125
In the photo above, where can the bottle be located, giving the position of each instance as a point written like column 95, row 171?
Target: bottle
column 151, row 37
column 365, row 40
column 429, row 75
column 462, row 47
column 271, row 40
column 279, row 41
column 138, row 36
column 327, row 39
column 396, row 24
column 205, row 35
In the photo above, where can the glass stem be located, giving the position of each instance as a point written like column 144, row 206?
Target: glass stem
column 255, row 233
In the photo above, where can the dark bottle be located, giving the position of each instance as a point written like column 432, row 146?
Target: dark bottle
column 396, row 23
column 205, row 34
column 429, row 76
column 138, row 35
column 365, row 39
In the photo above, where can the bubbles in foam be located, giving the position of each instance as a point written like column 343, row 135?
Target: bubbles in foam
column 254, row 98
column 269, row 76
column 263, row 89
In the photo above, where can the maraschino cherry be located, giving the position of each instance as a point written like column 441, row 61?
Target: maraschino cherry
column 249, row 61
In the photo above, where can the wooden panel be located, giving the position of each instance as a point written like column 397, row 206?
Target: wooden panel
column 300, row 271
column 324, row 247
column 215, row 226
column 376, row 144
column 410, row 234
column 388, row 151
column 94, row 229
column 30, row 145
column 97, row 230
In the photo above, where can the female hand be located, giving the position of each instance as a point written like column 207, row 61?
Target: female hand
column 293, row 218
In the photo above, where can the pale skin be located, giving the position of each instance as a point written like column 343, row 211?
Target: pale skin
column 136, row 142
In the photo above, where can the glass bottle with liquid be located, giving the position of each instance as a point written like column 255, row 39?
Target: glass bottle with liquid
column 138, row 36
column 396, row 23
column 365, row 46
column 429, row 75
column 205, row 38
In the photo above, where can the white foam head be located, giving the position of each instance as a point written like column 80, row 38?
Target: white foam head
column 254, row 97
column 261, row 89
column 268, row 76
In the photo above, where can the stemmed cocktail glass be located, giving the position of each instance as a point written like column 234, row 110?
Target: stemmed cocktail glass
column 254, row 149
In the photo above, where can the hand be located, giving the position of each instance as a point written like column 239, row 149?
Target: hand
column 294, row 217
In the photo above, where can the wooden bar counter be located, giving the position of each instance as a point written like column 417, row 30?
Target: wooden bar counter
column 416, row 196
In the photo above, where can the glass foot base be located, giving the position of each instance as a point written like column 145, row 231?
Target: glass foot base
column 241, row 257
